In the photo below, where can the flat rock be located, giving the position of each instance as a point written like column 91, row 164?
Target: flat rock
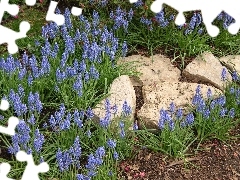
column 232, row 62
column 162, row 94
column 121, row 89
column 155, row 69
column 208, row 69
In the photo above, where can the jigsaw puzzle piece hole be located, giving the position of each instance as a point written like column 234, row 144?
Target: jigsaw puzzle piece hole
column 156, row 6
column 180, row 19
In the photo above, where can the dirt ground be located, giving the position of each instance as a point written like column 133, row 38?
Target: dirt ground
column 216, row 161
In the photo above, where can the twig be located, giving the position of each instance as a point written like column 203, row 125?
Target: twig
column 182, row 161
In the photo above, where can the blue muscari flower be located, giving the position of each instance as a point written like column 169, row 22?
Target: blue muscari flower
column 38, row 141
column 103, row 3
column 179, row 114
column 82, row 66
column 171, row 125
column 77, row 119
column 100, row 152
column 189, row 119
column 89, row 113
column 23, row 132
column 126, row 109
column 224, row 74
column 65, row 125
column 91, row 173
column 1, row 117
column 172, row 107
column 41, row 160
column 82, row 177
column 145, row 21
column 221, row 101
column 45, row 65
column 171, row 17
column 232, row 112
column 111, row 143
column 124, row 49
column 235, row 76
column 138, row 4
column 47, row 48
column 88, row 133
column 110, row 173
column 206, row 113
column 122, row 133
column 69, row 44
column 32, row 119
column 38, row 103
column 30, row 80
column 78, row 85
column 220, row 16
column 94, row 72
column 22, row 73
column 31, row 102
column 18, row 106
column 14, row 148
column 21, row 91
column 227, row 21
column 86, row 76
column 91, row 164
column 77, row 148
column 37, row 43
column 130, row 14
column 121, row 124
column 209, row 93
column 95, row 18
column 200, row 31
column 135, row 126
column 68, row 21
column 193, row 21
column 223, row 112
column 104, row 122
column 232, row 90
column 162, row 119
column 64, row 160
column 115, row 155
column 161, row 19
column 201, row 105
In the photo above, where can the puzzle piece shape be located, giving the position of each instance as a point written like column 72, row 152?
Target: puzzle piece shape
column 59, row 18
column 9, row 36
column 31, row 171
column 4, row 170
column 133, row 1
column 210, row 10
column 12, row 9
column 30, row 2
column 12, row 121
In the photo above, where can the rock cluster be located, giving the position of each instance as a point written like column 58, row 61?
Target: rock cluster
column 161, row 85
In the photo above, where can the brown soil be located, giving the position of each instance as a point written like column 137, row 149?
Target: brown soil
column 215, row 161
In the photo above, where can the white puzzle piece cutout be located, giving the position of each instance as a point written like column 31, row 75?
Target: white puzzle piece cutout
column 209, row 9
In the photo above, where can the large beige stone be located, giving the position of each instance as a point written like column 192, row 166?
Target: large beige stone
column 121, row 89
column 232, row 62
column 208, row 69
column 162, row 94
column 154, row 69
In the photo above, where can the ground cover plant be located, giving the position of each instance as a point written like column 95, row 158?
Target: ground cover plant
column 67, row 70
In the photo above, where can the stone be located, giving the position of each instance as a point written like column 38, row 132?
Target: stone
column 232, row 62
column 160, row 86
column 121, row 89
column 162, row 94
column 208, row 69
column 157, row 68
